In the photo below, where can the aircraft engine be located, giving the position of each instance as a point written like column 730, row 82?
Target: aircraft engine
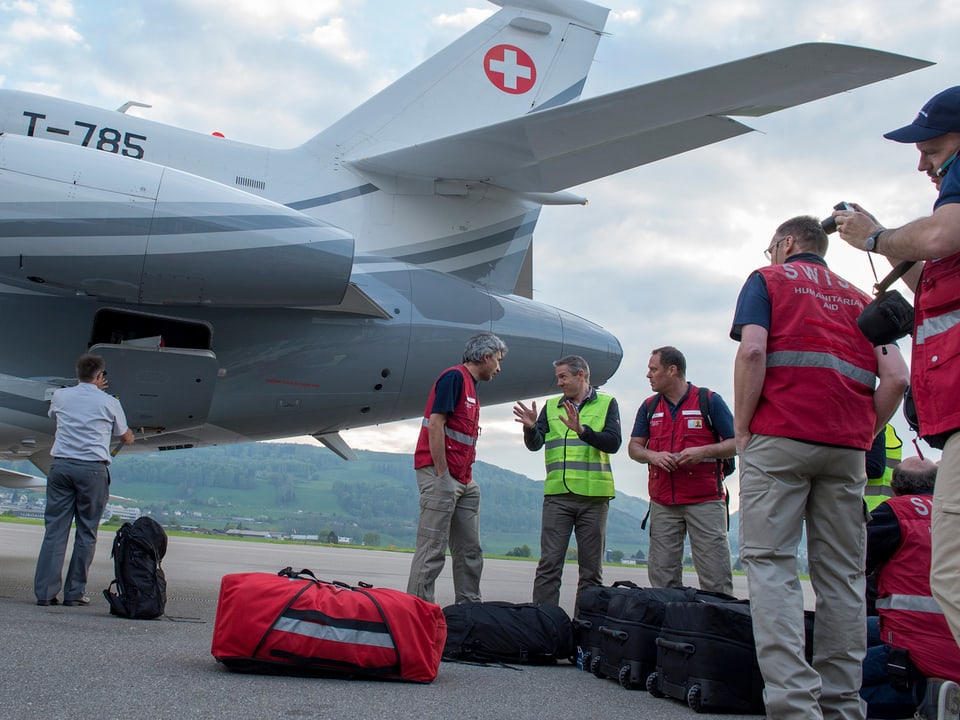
column 94, row 223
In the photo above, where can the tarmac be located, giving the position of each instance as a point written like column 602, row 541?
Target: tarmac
column 75, row 662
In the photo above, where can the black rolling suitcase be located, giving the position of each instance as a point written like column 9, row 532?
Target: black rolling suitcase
column 706, row 656
column 628, row 634
column 591, row 611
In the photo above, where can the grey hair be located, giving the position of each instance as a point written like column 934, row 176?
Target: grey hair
column 575, row 363
column 483, row 345
column 914, row 480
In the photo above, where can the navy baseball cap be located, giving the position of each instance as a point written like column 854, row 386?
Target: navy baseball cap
column 939, row 116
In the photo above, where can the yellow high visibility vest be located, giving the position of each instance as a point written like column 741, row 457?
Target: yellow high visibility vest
column 573, row 465
column 878, row 489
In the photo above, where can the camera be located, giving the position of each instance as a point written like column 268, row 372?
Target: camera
column 829, row 224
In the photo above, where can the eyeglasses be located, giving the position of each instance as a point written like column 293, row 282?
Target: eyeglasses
column 768, row 253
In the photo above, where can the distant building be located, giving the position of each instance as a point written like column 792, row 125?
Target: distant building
column 250, row 534
column 122, row 512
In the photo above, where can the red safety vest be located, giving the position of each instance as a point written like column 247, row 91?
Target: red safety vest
column 821, row 370
column 909, row 616
column 689, row 483
column 461, row 430
column 935, row 365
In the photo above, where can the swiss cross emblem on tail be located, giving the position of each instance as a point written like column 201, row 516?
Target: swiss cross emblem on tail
column 510, row 69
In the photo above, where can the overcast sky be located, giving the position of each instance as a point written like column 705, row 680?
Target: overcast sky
column 669, row 243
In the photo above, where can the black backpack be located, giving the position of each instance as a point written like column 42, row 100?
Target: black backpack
column 137, row 551
column 531, row 633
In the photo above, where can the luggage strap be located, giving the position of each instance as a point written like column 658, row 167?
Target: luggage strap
column 311, row 580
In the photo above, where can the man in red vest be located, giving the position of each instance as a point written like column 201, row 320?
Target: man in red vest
column 911, row 659
column 934, row 242
column 687, row 496
column 810, row 394
column 449, row 498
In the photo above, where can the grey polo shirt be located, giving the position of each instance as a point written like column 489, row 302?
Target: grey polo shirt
column 86, row 418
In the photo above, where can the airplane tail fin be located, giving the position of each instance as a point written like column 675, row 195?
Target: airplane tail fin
column 530, row 55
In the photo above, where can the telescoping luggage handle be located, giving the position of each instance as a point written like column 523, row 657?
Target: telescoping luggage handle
column 683, row 648
column 616, row 634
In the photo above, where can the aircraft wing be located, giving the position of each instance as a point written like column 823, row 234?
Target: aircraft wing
column 21, row 481
column 561, row 147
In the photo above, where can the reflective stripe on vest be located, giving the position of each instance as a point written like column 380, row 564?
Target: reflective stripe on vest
column 797, row 358
column 453, row 434
column 574, row 442
column 572, row 464
column 936, row 324
column 912, row 603
column 877, row 488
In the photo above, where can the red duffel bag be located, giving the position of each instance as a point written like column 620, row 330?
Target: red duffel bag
column 293, row 624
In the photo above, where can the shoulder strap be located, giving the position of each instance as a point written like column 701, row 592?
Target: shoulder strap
column 652, row 405
column 893, row 276
column 704, row 398
column 651, row 408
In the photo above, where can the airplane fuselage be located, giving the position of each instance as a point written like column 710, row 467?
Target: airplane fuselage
column 284, row 371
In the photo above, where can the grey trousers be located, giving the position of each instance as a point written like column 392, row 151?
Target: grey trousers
column 77, row 491
column 945, row 561
column 706, row 524
column 785, row 483
column 586, row 517
column 449, row 514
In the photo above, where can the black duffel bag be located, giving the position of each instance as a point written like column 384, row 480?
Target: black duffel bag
column 531, row 633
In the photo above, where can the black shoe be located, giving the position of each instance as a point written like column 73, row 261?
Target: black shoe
column 51, row 601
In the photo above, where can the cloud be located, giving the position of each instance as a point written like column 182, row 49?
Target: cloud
column 333, row 38
column 463, row 20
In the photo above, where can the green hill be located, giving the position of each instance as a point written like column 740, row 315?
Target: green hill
column 304, row 489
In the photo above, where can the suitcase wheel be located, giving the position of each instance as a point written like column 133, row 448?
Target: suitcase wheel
column 624, row 678
column 653, row 685
column 693, row 698
column 585, row 662
column 595, row 666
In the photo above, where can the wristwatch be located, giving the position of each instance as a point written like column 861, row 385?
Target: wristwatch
column 872, row 238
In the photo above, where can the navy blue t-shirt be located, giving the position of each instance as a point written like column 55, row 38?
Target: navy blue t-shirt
column 949, row 187
column 719, row 413
column 449, row 389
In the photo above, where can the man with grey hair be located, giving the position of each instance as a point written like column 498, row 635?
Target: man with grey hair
column 580, row 430
column 912, row 661
column 449, row 497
